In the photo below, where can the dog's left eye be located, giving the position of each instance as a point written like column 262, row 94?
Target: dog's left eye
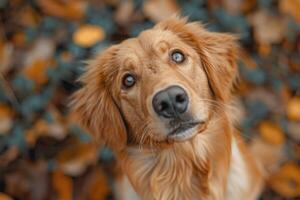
column 128, row 80
column 177, row 56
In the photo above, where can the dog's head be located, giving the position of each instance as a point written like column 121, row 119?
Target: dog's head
column 159, row 87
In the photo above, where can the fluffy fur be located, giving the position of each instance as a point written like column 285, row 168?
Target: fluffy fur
column 213, row 163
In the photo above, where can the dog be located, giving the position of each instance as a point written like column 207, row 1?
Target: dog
column 159, row 101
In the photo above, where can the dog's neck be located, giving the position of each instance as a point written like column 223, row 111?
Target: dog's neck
column 191, row 167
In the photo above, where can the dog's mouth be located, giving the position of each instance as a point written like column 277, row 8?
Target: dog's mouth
column 185, row 130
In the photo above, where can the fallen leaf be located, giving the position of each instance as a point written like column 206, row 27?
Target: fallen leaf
column 63, row 185
column 290, row 7
column 43, row 128
column 95, row 185
column 43, row 49
column 38, row 71
column 6, row 52
column 75, row 159
column 293, row 109
column 6, row 119
column 158, row 10
column 8, row 156
column 73, row 10
column 268, row 28
column 98, row 189
column 270, row 156
column 88, row 35
column 287, row 180
column 271, row 133
column 124, row 11
column 293, row 130
column 4, row 197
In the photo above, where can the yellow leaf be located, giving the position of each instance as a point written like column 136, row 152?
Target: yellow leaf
column 88, row 35
column 4, row 196
column 271, row 133
column 293, row 109
column 62, row 185
column 287, row 180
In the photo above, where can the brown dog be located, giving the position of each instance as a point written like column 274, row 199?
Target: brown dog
column 159, row 101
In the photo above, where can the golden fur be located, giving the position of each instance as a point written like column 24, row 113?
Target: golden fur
column 213, row 163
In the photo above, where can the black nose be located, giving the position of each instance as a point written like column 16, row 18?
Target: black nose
column 171, row 102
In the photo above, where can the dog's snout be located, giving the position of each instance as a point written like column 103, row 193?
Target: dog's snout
column 171, row 102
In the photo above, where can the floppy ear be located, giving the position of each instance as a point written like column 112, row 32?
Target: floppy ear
column 217, row 51
column 94, row 105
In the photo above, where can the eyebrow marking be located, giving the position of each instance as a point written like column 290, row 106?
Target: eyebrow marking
column 163, row 46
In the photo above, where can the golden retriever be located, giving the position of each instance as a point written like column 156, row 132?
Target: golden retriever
column 159, row 102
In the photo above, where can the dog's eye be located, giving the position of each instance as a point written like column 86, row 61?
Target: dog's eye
column 177, row 56
column 128, row 80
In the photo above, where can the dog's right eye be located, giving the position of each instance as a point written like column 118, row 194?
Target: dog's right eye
column 128, row 81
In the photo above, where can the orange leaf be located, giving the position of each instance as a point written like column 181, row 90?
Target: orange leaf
column 6, row 120
column 290, row 7
column 88, row 35
column 73, row 10
column 74, row 159
column 4, row 196
column 271, row 133
column 293, row 109
column 37, row 71
column 287, row 180
column 98, row 186
column 63, row 185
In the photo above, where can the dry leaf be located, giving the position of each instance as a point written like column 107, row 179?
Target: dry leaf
column 4, row 197
column 43, row 49
column 6, row 118
column 293, row 109
column 158, row 10
column 8, row 156
column 74, row 159
column 88, row 35
column 268, row 28
column 124, row 11
column 268, row 155
column 43, row 128
column 73, row 10
column 95, row 186
column 290, row 7
column 38, row 71
column 271, row 133
column 6, row 52
column 63, row 185
column 287, row 180
column 294, row 130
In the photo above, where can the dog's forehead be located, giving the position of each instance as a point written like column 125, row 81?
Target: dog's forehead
column 148, row 44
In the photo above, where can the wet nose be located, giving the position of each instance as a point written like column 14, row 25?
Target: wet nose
column 171, row 102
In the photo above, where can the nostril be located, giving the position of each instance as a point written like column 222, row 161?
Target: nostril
column 180, row 98
column 163, row 106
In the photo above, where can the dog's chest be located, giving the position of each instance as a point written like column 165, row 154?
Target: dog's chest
column 169, row 175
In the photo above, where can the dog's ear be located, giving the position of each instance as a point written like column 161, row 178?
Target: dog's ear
column 95, row 106
column 217, row 51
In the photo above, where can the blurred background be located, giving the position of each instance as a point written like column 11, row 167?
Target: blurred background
column 45, row 155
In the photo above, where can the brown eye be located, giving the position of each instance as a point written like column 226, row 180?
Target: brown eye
column 177, row 56
column 128, row 80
